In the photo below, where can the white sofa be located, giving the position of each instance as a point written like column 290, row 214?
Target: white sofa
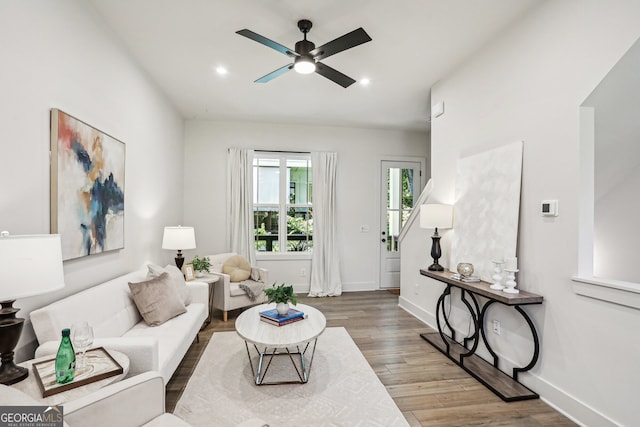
column 136, row 401
column 117, row 324
column 228, row 295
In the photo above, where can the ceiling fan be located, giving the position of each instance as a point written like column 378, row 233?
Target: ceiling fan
column 307, row 56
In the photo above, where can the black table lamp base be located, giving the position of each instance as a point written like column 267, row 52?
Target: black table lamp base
column 10, row 331
column 436, row 252
column 179, row 259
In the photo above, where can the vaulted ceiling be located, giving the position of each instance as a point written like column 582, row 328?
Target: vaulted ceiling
column 181, row 43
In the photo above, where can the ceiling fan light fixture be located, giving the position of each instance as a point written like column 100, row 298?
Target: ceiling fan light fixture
column 304, row 65
column 306, row 56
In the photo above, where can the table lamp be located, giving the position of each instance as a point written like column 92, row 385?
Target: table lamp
column 29, row 265
column 436, row 216
column 179, row 238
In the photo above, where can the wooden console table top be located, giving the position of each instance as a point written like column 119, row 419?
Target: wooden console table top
column 482, row 288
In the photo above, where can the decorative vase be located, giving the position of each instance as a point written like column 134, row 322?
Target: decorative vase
column 199, row 273
column 282, row 308
column 465, row 269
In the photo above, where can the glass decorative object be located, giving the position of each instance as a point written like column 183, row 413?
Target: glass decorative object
column 465, row 269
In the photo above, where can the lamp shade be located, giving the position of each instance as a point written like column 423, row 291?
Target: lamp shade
column 30, row 265
column 436, row 216
column 179, row 238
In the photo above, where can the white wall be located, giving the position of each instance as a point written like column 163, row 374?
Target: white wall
column 359, row 152
column 528, row 85
column 61, row 55
column 616, row 230
column 616, row 175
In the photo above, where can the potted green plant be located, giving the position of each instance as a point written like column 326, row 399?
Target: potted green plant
column 282, row 295
column 201, row 265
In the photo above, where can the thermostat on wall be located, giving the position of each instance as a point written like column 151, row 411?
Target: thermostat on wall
column 549, row 208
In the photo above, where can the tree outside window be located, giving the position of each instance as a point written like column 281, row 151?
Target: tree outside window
column 282, row 208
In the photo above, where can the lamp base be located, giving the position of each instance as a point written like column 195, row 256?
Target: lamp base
column 10, row 331
column 179, row 259
column 10, row 373
column 435, row 267
column 436, row 252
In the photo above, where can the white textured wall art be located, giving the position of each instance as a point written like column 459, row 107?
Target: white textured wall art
column 485, row 220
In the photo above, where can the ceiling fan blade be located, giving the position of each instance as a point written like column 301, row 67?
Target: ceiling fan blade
column 272, row 75
column 265, row 41
column 349, row 40
column 334, row 75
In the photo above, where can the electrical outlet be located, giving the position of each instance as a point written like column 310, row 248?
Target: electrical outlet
column 496, row 327
column 303, row 272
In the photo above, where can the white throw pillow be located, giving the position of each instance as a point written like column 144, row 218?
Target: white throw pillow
column 176, row 277
column 217, row 261
column 237, row 268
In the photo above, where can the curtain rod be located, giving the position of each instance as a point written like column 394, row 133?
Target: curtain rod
column 283, row 151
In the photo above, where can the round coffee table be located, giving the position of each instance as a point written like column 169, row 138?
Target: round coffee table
column 293, row 339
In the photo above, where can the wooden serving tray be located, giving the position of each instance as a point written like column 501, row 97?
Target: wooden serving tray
column 102, row 365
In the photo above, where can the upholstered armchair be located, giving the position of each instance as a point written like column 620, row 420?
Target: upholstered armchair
column 228, row 293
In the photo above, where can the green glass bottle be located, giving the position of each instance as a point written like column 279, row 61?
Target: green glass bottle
column 65, row 359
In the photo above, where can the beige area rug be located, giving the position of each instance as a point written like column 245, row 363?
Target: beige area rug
column 342, row 390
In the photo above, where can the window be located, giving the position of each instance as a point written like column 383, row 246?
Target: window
column 282, row 211
column 400, row 197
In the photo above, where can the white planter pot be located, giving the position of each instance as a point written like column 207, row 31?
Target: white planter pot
column 282, row 308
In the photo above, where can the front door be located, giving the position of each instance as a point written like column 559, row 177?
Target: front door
column 400, row 186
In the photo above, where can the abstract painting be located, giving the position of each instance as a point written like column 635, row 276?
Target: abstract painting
column 87, row 187
column 487, row 207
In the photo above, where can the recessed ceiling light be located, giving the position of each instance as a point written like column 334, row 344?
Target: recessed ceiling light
column 221, row 70
column 365, row 81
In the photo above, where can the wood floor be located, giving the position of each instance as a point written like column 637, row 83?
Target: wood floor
column 428, row 388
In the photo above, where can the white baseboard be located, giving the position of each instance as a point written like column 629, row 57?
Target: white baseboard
column 561, row 401
column 359, row 286
column 418, row 312
column 303, row 288
column 571, row 407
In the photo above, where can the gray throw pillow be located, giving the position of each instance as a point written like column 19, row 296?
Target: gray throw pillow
column 157, row 299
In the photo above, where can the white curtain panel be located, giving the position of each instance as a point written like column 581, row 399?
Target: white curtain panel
column 240, row 196
column 325, row 263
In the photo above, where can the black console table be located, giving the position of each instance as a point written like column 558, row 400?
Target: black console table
column 505, row 386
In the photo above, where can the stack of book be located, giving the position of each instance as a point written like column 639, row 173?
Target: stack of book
column 272, row 317
column 465, row 278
